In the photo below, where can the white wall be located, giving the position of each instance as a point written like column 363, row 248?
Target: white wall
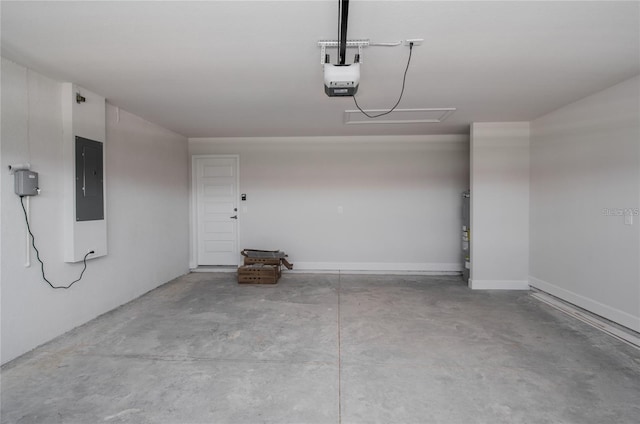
column 147, row 208
column 401, row 199
column 499, row 205
column 585, row 160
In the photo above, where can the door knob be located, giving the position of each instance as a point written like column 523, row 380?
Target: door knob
column 234, row 217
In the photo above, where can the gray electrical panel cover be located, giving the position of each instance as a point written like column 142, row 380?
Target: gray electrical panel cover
column 26, row 183
column 89, row 183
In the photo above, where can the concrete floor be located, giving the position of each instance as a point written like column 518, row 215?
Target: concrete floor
column 327, row 349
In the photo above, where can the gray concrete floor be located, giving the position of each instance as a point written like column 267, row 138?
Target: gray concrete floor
column 327, row 349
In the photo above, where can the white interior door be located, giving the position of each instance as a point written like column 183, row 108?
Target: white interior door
column 217, row 210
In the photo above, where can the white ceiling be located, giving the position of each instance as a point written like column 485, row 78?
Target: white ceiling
column 240, row 68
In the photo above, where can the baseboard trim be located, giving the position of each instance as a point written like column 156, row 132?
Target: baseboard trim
column 620, row 317
column 221, row 268
column 498, row 284
column 365, row 272
column 379, row 267
column 587, row 317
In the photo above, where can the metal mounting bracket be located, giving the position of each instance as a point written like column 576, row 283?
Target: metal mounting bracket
column 323, row 44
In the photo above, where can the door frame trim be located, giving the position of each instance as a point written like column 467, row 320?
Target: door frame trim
column 193, row 205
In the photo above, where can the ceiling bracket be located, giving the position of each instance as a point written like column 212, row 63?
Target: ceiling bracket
column 323, row 44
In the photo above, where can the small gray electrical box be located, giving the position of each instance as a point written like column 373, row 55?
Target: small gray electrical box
column 26, row 183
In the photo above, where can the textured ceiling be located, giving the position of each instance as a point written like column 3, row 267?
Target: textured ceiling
column 240, row 68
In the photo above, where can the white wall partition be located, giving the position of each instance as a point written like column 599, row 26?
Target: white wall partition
column 352, row 203
column 585, row 197
column 147, row 171
column 499, row 205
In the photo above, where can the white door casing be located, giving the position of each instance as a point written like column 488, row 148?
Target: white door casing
column 215, row 183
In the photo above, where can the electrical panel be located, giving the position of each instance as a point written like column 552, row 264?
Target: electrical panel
column 85, row 176
column 89, row 180
column 26, row 183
